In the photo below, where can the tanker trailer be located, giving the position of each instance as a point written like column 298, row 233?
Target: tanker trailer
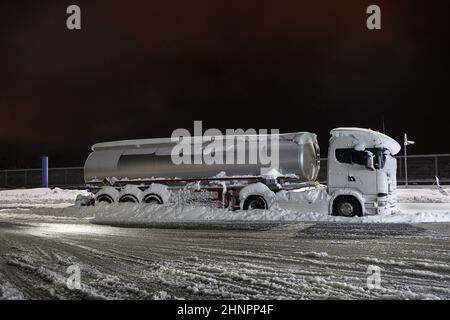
column 361, row 171
column 145, row 171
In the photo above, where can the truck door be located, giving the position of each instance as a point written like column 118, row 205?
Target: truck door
column 338, row 168
column 359, row 177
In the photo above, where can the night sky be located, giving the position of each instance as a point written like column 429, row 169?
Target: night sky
column 140, row 69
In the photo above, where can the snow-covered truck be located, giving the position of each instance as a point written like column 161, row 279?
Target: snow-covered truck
column 361, row 172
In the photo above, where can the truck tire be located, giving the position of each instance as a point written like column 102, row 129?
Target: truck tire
column 130, row 194
column 346, row 206
column 255, row 202
column 128, row 198
column 106, row 198
column 107, row 195
column 152, row 199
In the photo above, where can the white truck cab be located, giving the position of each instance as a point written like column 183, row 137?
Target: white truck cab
column 361, row 172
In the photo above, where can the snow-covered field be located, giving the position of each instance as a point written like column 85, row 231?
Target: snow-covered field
column 195, row 252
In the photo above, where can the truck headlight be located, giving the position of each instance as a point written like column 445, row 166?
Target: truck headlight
column 382, row 203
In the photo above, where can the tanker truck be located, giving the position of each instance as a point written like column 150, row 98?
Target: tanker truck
column 361, row 171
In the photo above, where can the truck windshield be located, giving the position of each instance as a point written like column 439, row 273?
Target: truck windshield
column 352, row 156
column 379, row 157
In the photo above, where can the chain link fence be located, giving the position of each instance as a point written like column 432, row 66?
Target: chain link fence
column 69, row 177
column 422, row 169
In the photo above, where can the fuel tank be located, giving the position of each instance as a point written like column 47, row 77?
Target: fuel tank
column 146, row 159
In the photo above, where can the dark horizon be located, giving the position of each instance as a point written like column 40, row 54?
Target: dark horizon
column 145, row 68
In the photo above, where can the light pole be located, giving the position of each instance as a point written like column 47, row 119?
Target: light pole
column 406, row 143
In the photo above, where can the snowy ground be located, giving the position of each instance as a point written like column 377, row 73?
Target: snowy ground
column 38, row 198
column 275, row 254
column 292, row 261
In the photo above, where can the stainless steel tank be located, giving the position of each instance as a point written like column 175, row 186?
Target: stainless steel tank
column 151, row 159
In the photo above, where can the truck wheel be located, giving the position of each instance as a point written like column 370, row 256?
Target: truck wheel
column 128, row 198
column 105, row 198
column 152, row 199
column 255, row 202
column 347, row 207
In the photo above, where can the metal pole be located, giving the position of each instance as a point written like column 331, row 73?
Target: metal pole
column 436, row 166
column 406, row 162
column 44, row 172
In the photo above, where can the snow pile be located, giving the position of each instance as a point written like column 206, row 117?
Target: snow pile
column 309, row 204
column 39, row 198
column 416, row 217
column 62, row 213
column 423, row 195
column 133, row 214
column 54, row 203
column 9, row 292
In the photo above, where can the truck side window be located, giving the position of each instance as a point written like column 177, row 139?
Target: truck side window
column 359, row 157
column 351, row 156
column 344, row 155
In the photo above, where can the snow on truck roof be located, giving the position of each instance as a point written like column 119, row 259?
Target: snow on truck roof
column 370, row 137
column 299, row 137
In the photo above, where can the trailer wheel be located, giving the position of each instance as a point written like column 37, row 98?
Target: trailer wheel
column 128, row 198
column 152, row 199
column 347, row 206
column 255, row 202
column 106, row 198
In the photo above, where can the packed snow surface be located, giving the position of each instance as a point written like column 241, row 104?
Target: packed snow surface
column 292, row 261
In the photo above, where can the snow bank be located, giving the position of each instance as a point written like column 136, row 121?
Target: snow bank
column 310, row 205
column 146, row 213
column 39, row 197
column 39, row 202
column 415, row 206
column 70, row 212
column 424, row 195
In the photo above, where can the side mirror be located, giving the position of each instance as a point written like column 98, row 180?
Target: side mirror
column 369, row 160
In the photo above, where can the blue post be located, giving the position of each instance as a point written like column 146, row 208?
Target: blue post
column 44, row 172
